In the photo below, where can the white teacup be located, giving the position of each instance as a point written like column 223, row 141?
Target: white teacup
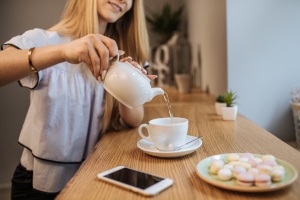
column 165, row 133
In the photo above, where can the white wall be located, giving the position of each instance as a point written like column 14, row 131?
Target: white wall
column 251, row 47
column 17, row 16
column 263, row 40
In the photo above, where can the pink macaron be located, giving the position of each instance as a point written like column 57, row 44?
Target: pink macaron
column 253, row 162
column 247, row 155
column 238, row 169
column 271, row 163
column 262, row 180
column 245, row 179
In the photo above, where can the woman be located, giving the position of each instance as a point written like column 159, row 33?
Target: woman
column 69, row 109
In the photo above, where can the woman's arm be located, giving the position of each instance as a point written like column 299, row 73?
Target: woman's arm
column 93, row 49
column 14, row 63
column 131, row 116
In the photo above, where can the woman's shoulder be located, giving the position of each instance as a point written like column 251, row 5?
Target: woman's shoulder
column 36, row 37
column 45, row 36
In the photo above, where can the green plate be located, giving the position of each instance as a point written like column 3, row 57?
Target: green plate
column 291, row 175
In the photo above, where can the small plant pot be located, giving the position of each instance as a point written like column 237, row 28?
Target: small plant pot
column 229, row 113
column 219, row 106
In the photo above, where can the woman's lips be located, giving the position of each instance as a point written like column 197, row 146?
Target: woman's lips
column 115, row 6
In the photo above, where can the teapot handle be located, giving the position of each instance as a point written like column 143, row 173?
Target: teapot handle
column 112, row 60
column 116, row 58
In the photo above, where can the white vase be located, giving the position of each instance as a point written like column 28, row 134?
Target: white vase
column 219, row 106
column 183, row 82
column 229, row 113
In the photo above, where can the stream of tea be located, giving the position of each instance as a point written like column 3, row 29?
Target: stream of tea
column 167, row 100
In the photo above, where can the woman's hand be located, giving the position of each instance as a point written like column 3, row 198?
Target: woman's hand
column 93, row 49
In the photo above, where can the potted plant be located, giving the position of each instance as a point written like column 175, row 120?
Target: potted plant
column 220, row 102
column 166, row 22
column 295, row 105
column 229, row 112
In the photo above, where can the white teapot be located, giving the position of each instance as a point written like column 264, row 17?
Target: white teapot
column 128, row 84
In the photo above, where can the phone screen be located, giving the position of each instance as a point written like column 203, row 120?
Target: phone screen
column 135, row 178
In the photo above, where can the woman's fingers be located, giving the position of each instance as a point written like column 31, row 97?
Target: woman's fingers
column 126, row 59
column 104, row 48
column 93, row 60
column 152, row 77
column 93, row 49
column 135, row 64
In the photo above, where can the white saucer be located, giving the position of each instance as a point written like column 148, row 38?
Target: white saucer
column 149, row 148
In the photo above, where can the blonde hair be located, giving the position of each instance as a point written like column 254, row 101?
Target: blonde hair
column 80, row 18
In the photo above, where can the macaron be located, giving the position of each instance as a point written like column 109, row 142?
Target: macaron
column 228, row 166
column 224, row 174
column 245, row 165
column 280, row 167
column 238, row 169
column 233, row 157
column 243, row 159
column 277, row 175
column 253, row 170
column 234, row 163
column 253, row 162
column 245, row 179
column 247, row 155
column 268, row 157
column 262, row 180
column 258, row 160
column 272, row 163
column 215, row 166
column 264, row 169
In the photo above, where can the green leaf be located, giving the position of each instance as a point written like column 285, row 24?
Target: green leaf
column 220, row 99
column 166, row 22
column 230, row 98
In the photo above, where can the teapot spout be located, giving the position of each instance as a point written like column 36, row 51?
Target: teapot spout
column 157, row 91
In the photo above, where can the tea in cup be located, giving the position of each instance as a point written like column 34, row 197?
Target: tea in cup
column 165, row 133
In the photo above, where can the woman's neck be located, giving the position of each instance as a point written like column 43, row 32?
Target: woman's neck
column 102, row 27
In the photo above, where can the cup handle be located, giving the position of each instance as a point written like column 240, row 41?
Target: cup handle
column 142, row 133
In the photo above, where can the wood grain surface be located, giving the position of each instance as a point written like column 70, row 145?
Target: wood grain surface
column 119, row 148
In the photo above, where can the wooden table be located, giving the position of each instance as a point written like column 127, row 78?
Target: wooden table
column 119, row 148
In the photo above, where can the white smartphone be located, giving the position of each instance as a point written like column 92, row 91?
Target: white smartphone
column 137, row 181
